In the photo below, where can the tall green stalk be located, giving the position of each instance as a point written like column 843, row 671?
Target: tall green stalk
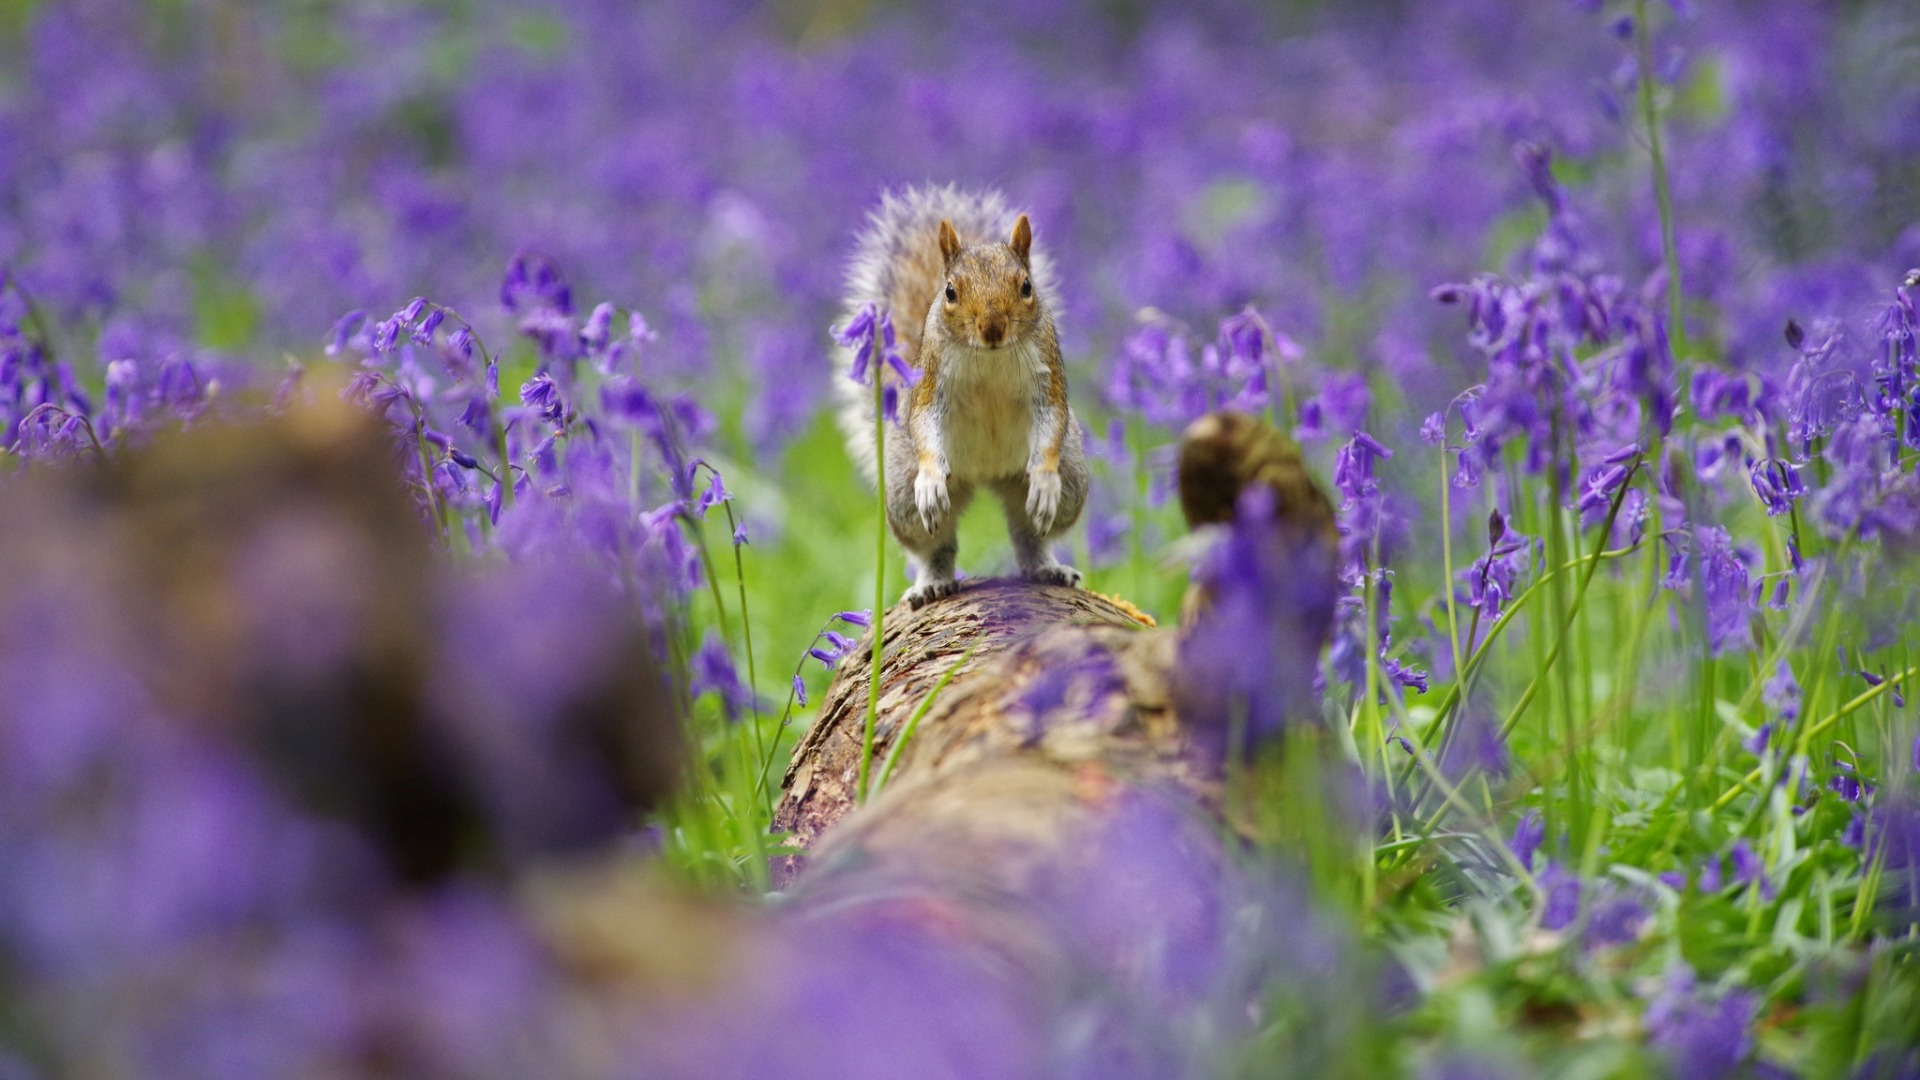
column 879, row 566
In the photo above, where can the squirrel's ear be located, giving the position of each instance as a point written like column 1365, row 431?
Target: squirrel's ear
column 1022, row 238
column 949, row 241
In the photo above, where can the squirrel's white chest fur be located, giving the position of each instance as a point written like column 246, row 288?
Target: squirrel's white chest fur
column 988, row 437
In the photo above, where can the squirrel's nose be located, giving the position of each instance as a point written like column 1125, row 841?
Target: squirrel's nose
column 993, row 329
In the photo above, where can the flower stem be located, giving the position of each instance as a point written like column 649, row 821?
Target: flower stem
column 746, row 624
column 1566, row 620
column 879, row 576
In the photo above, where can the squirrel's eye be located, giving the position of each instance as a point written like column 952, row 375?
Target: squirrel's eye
column 951, row 295
column 1026, row 288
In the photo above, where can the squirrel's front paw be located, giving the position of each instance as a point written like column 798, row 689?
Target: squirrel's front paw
column 930, row 496
column 927, row 592
column 1053, row 574
column 1043, row 498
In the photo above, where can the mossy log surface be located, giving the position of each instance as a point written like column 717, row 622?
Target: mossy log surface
column 1062, row 703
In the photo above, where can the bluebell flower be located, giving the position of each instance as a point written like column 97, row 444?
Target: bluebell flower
column 1702, row 1037
column 1528, row 832
column 1338, row 409
column 542, row 394
column 1750, row 869
column 1717, row 393
column 533, row 282
column 715, row 492
column 1846, row 784
column 424, row 331
column 1563, row 888
column 1596, row 492
column 1616, row 920
column 345, row 331
column 1724, row 578
column 1778, row 485
column 1493, row 579
column 597, row 330
column 712, row 670
column 1255, row 648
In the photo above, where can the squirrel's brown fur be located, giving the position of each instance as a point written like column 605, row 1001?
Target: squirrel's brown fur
column 990, row 407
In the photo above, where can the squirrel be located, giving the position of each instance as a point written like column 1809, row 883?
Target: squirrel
column 990, row 409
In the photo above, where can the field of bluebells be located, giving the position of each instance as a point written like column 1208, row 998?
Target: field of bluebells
column 1599, row 319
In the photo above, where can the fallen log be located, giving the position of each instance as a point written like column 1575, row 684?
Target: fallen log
column 1059, row 679
column 1051, row 842
column 1071, row 690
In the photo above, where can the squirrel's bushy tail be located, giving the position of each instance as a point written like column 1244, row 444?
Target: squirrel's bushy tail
column 897, row 267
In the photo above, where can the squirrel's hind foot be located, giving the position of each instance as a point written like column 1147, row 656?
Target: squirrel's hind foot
column 1054, row 574
column 928, row 591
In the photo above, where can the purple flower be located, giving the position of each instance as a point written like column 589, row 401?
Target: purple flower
column 869, row 334
column 533, row 283
column 1596, row 492
column 1846, row 784
column 1781, row 693
column 1778, row 484
column 1353, row 465
column 1702, row 1038
column 596, row 331
column 423, row 333
column 837, row 644
column 1890, row 831
column 1709, row 878
column 1528, row 832
column 1562, row 887
column 1362, row 507
column 1717, row 394
column 1254, row 649
column 1724, row 578
column 712, row 670
column 1493, row 578
column 1616, row 920
column 714, row 494
column 344, row 331
column 1158, row 375
column 1402, row 675
column 1339, row 408
column 542, row 394
column 1750, row 869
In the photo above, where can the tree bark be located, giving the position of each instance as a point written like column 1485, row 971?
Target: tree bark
column 1062, row 702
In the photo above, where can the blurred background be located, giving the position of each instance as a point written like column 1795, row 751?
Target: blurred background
column 227, row 177
column 342, row 747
